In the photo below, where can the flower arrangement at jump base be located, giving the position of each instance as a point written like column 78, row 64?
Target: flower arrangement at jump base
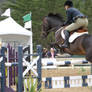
column 30, row 85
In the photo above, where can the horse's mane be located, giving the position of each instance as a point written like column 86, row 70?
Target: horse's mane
column 57, row 15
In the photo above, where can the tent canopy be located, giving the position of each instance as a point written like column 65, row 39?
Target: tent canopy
column 11, row 31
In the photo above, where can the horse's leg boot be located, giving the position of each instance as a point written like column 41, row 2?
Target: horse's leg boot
column 66, row 43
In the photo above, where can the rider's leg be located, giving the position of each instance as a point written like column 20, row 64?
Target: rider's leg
column 66, row 43
column 66, row 31
column 79, row 23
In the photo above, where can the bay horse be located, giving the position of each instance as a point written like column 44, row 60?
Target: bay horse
column 81, row 46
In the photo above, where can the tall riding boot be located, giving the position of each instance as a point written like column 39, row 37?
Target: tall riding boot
column 66, row 43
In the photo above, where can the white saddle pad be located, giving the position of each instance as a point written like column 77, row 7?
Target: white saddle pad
column 76, row 35
column 73, row 36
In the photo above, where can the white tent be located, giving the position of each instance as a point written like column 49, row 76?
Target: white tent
column 10, row 31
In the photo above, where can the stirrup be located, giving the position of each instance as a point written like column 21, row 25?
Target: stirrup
column 65, row 46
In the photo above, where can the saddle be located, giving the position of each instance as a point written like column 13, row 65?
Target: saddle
column 76, row 33
column 79, row 30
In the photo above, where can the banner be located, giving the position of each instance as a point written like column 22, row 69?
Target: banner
column 27, row 17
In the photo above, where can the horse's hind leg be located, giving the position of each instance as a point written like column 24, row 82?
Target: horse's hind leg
column 89, row 55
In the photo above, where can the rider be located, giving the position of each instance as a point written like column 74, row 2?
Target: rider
column 75, row 20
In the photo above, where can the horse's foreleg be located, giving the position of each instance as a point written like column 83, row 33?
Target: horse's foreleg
column 89, row 55
column 55, row 45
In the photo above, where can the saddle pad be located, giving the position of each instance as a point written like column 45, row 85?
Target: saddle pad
column 76, row 35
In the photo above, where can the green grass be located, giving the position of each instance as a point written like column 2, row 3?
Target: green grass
column 33, row 87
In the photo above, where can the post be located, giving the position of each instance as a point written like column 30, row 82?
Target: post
column 3, row 70
column 31, row 43
column 39, row 51
column 28, row 25
column 20, row 69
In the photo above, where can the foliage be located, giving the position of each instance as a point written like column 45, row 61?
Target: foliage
column 33, row 87
column 41, row 8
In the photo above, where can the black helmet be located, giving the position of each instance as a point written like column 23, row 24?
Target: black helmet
column 69, row 3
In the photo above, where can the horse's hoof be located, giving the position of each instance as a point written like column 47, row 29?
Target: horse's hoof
column 64, row 46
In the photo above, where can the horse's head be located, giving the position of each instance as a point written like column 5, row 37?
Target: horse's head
column 45, row 27
column 49, row 22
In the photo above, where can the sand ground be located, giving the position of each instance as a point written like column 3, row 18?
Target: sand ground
column 67, row 72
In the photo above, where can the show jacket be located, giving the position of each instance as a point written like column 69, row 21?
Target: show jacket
column 72, row 13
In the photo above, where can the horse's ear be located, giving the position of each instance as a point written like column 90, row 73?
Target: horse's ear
column 50, row 14
column 59, row 15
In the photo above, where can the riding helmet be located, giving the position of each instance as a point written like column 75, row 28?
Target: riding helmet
column 69, row 3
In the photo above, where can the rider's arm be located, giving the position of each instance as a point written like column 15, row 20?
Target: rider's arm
column 69, row 17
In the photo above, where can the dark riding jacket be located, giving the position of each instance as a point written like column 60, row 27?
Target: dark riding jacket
column 72, row 14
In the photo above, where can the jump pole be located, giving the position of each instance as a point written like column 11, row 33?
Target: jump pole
column 3, row 70
column 39, row 67
column 20, row 69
